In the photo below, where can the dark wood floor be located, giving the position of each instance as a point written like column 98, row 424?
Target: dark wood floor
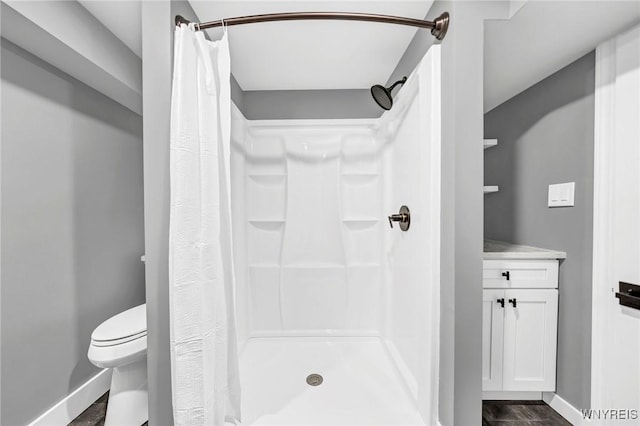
column 94, row 415
column 520, row 413
column 494, row 413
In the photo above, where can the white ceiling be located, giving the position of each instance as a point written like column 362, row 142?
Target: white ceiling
column 314, row 54
column 292, row 55
column 541, row 38
column 545, row 36
column 122, row 18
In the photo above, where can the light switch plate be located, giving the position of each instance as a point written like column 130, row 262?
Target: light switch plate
column 561, row 194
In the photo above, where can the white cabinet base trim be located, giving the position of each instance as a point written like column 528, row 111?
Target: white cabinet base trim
column 512, row 396
column 566, row 410
column 79, row 400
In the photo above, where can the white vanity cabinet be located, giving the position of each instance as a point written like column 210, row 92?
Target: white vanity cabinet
column 520, row 321
column 519, row 343
column 520, row 273
column 492, row 339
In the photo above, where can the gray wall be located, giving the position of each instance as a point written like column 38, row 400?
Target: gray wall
column 545, row 136
column 72, row 228
column 157, row 51
column 237, row 95
column 309, row 104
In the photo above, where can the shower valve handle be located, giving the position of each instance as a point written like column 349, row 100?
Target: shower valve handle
column 397, row 218
column 403, row 218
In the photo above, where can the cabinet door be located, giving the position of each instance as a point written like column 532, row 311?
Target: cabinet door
column 520, row 274
column 492, row 329
column 530, row 331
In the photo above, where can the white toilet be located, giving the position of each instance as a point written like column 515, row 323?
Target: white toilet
column 121, row 343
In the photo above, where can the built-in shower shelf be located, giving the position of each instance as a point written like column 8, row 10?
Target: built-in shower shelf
column 314, row 265
column 363, row 265
column 490, row 189
column 267, row 224
column 268, row 179
column 266, row 174
column 360, row 223
column 360, row 174
column 488, row 143
column 264, row 265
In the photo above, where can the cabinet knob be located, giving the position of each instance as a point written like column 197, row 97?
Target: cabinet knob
column 513, row 302
column 501, row 302
column 507, row 275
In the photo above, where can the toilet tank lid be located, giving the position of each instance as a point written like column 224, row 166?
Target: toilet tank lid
column 128, row 323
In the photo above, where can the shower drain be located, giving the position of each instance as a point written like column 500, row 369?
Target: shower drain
column 314, row 379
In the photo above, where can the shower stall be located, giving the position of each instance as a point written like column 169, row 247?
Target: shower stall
column 337, row 311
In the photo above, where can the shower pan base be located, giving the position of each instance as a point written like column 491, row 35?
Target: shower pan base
column 360, row 384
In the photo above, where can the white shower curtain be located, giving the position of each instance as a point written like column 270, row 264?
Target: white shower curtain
column 204, row 360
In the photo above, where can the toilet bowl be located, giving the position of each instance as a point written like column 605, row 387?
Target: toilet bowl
column 120, row 343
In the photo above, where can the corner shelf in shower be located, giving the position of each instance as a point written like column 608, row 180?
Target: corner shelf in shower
column 264, row 265
column 314, row 265
column 267, row 224
column 357, row 175
column 266, row 174
column 357, row 223
column 268, row 178
column 364, row 265
column 372, row 174
column 491, row 188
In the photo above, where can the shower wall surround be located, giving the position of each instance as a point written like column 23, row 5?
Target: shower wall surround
column 313, row 205
column 315, row 256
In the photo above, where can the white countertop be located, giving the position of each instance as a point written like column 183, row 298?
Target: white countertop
column 502, row 250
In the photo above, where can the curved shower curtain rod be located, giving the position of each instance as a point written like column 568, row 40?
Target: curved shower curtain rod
column 438, row 27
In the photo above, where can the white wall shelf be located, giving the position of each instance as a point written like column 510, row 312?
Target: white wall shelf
column 488, row 143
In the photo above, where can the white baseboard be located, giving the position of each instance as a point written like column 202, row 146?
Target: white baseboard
column 566, row 410
column 79, row 400
column 512, row 395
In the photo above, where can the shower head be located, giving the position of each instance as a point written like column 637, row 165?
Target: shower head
column 382, row 95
